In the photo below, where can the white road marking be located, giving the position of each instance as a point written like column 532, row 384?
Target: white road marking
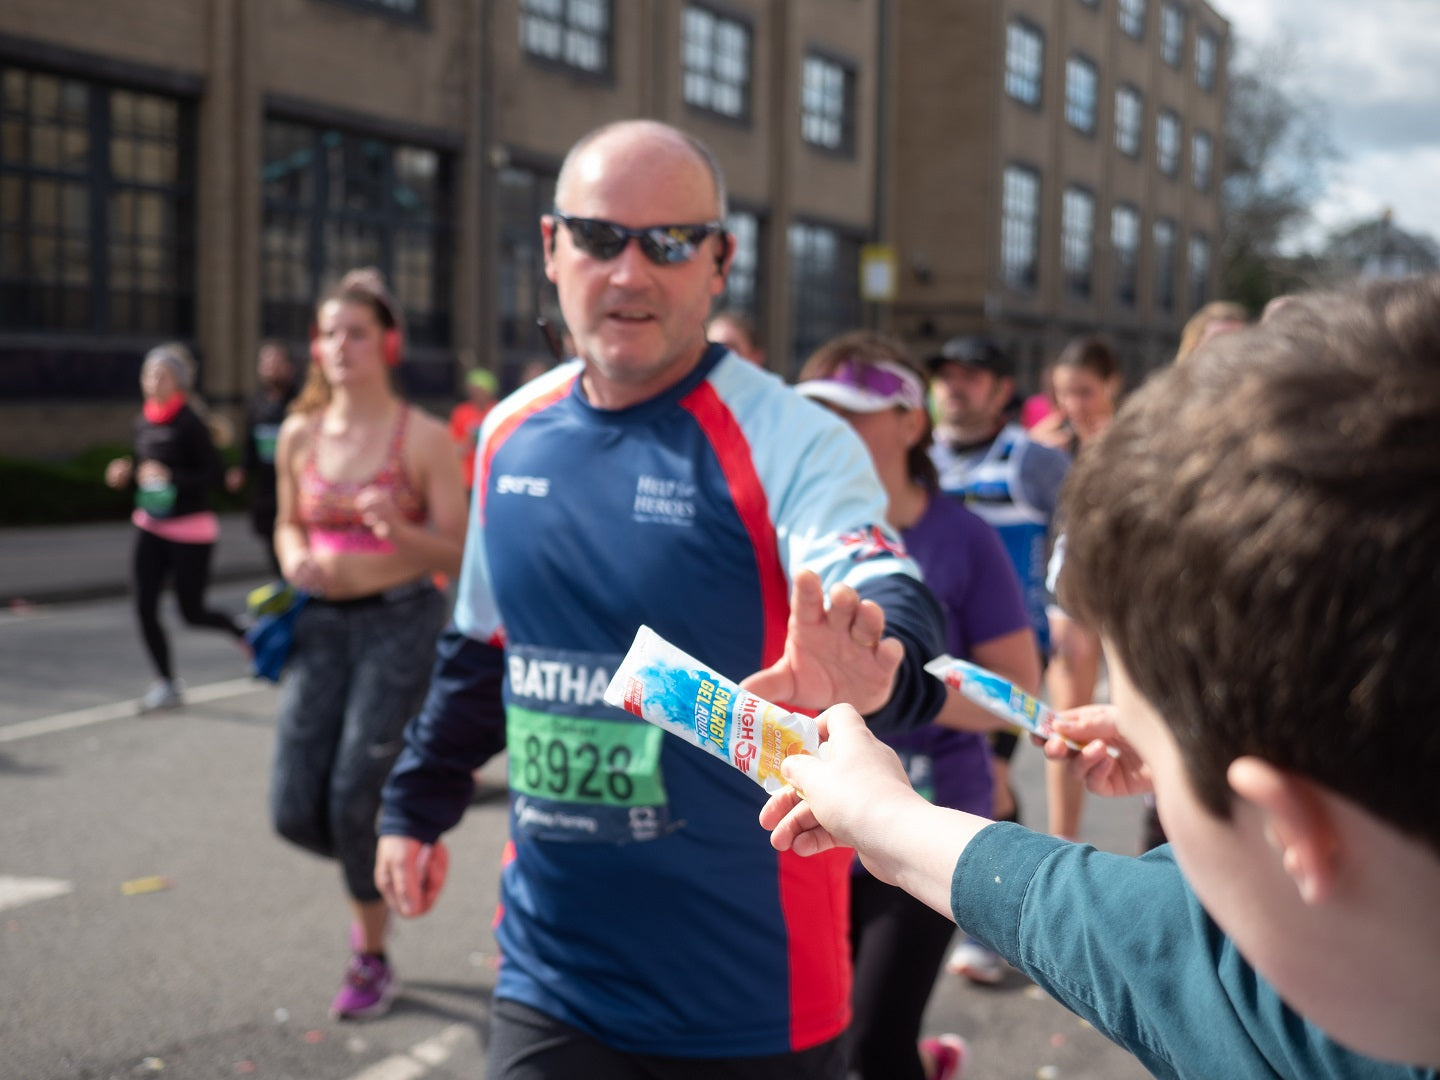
column 419, row 1059
column 15, row 891
column 116, row 710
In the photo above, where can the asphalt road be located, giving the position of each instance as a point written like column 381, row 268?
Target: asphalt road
column 152, row 926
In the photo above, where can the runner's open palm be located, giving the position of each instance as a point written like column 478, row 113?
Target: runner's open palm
column 832, row 655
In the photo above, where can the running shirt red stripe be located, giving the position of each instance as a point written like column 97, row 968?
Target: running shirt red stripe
column 738, row 464
column 810, row 888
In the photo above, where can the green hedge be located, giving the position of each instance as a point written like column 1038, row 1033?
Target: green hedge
column 66, row 492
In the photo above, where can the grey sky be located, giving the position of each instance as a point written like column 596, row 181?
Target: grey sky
column 1373, row 66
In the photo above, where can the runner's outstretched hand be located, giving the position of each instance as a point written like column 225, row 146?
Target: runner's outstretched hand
column 833, row 653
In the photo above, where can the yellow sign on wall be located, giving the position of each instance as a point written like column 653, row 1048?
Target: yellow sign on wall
column 877, row 272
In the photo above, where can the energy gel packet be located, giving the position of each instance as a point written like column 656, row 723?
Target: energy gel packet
column 999, row 696
column 672, row 690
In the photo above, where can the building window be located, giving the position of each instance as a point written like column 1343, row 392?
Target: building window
column 1200, row 160
column 742, row 284
column 1167, row 142
column 571, row 32
column 409, row 10
column 1164, row 239
column 1206, row 52
column 97, row 208
column 1129, row 120
column 827, row 104
column 825, row 279
column 716, row 58
column 523, row 293
column 1172, row 34
column 1024, row 62
column 1020, row 227
column 1132, row 18
column 335, row 200
column 1077, row 240
column 1125, row 242
column 1080, row 83
column 1199, row 270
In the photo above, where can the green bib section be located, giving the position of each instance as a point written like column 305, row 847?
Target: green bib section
column 576, row 759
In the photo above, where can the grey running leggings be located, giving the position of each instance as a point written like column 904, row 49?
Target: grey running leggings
column 357, row 673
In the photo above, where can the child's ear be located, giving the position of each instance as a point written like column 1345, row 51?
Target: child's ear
column 1297, row 820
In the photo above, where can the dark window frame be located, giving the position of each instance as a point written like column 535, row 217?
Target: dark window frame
column 1199, row 282
column 1020, row 276
column 1127, row 259
column 1137, row 129
column 525, row 189
column 1169, row 165
column 95, row 187
column 848, row 120
column 1013, row 77
column 1202, row 178
column 1078, row 274
column 558, row 61
column 1206, row 69
column 826, row 305
column 385, row 9
column 1165, row 265
column 300, row 230
column 743, row 266
column 1079, row 61
column 1132, row 16
column 720, row 17
column 1172, row 48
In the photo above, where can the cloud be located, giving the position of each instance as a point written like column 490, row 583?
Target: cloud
column 1372, row 68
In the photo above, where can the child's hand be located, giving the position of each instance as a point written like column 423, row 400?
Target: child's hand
column 848, row 791
column 1093, row 727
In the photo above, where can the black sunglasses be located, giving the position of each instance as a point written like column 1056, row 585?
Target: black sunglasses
column 663, row 245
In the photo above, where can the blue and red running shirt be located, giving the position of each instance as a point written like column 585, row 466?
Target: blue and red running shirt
column 644, row 903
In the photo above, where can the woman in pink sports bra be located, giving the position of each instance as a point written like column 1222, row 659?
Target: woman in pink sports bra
column 370, row 507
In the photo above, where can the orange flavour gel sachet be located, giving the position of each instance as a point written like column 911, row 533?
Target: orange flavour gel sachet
column 672, row 690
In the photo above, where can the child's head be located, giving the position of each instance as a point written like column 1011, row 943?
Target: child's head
column 1257, row 537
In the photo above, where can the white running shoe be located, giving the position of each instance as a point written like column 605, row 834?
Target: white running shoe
column 163, row 694
column 976, row 963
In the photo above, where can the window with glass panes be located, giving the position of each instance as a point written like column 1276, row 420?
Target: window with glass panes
column 827, row 104
column 1080, row 83
column 1024, row 62
column 1200, row 160
column 742, row 284
column 1125, row 243
column 1172, row 34
column 1129, row 120
column 1132, row 17
column 523, row 293
column 571, row 32
column 716, row 60
column 1020, row 227
column 97, row 207
column 1199, row 270
column 335, row 200
column 1167, row 142
column 1206, row 52
column 1163, row 238
column 409, row 10
column 825, row 287
column 1077, row 240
